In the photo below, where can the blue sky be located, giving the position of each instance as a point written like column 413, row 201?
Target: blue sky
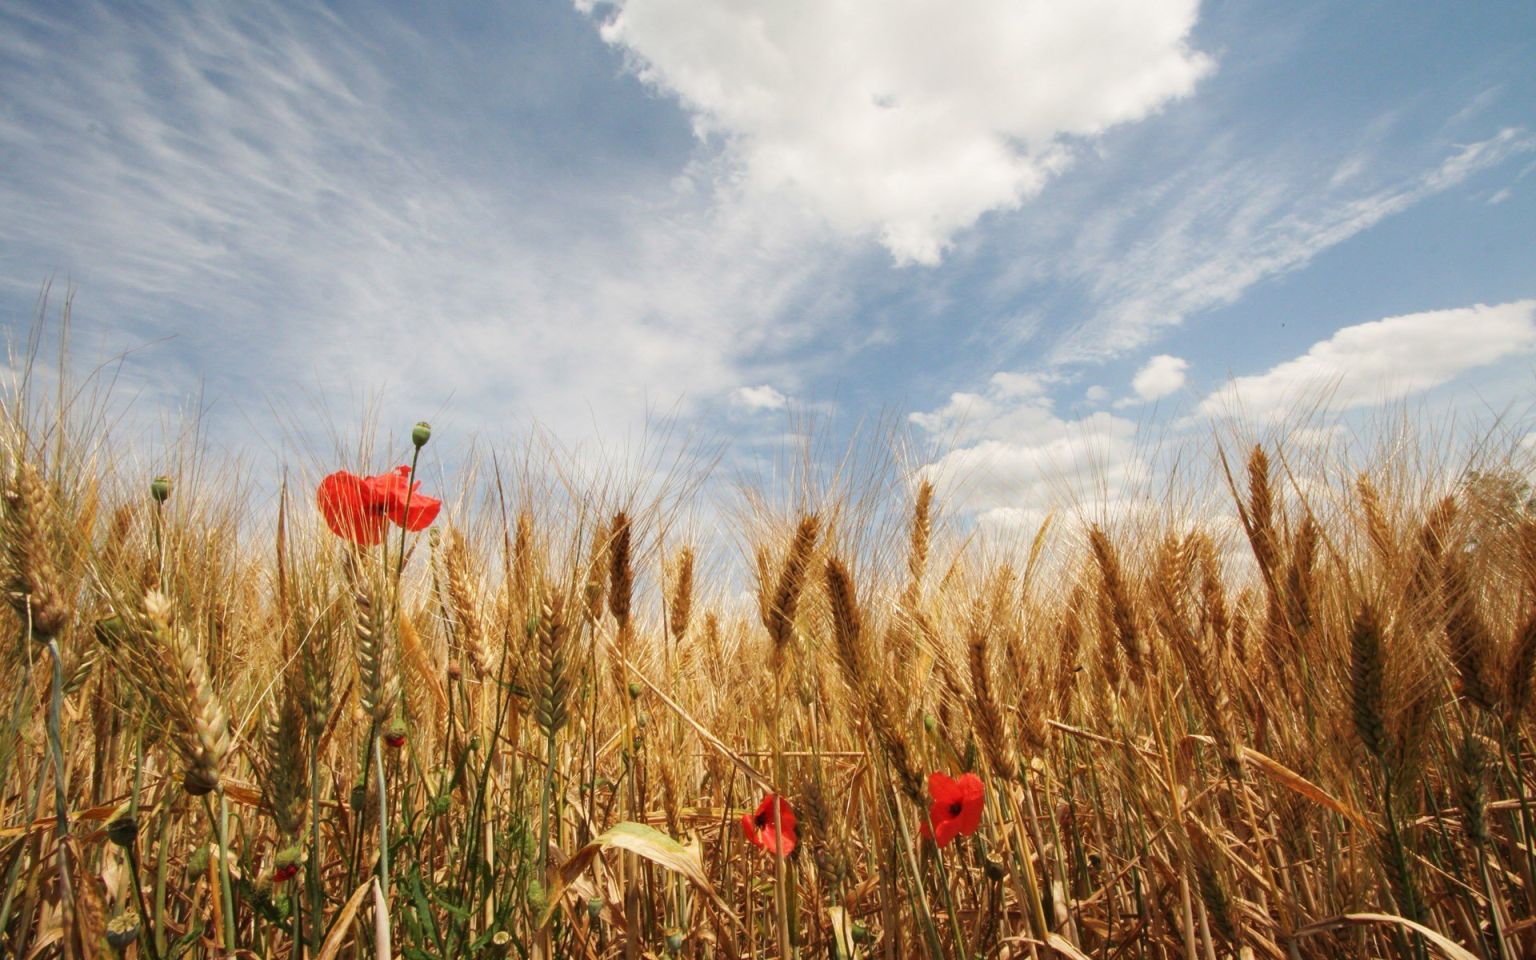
column 1040, row 236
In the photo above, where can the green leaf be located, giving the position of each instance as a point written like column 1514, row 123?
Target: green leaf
column 643, row 841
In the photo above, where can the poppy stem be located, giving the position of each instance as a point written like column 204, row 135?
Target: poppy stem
column 378, row 765
column 949, row 894
column 410, row 488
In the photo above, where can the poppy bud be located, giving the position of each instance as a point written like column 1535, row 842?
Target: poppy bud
column 421, row 433
column 122, row 828
column 675, row 942
column 110, row 631
column 394, row 733
column 286, row 864
column 197, row 863
column 160, row 488
column 594, row 908
column 538, row 897
column 122, row 931
column 634, row 691
column 861, row 932
column 359, row 797
column 929, row 723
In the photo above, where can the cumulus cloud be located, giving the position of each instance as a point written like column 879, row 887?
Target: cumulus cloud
column 1384, row 360
column 1011, row 458
column 907, row 121
column 1162, row 375
column 762, row 397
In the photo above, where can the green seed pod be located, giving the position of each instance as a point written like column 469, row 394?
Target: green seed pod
column 594, row 908
column 993, row 865
column 421, row 433
column 122, row 931
column 359, row 798
column 160, row 488
column 675, row 942
column 634, row 691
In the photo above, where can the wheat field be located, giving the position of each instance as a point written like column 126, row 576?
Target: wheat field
column 536, row 724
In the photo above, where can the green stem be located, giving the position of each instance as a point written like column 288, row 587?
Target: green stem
column 138, row 896
column 221, row 829
column 312, row 862
column 162, row 869
column 378, row 766
column 56, row 747
column 400, row 559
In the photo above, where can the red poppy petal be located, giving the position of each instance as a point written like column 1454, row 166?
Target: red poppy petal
column 419, row 516
column 943, row 790
column 945, row 830
column 972, row 807
column 395, row 489
column 345, row 500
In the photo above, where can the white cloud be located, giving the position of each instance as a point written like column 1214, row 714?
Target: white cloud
column 907, row 120
column 762, row 397
column 1011, row 459
column 1384, row 360
column 1162, row 375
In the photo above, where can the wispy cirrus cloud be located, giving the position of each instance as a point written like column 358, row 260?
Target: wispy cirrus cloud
column 1203, row 239
column 251, row 180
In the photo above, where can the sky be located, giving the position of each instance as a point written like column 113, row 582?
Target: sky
column 1037, row 239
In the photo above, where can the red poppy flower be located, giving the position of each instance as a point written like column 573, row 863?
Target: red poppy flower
column 285, row 873
column 358, row 508
column 759, row 827
column 956, row 808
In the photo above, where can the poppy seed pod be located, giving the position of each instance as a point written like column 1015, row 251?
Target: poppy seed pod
column 421, row 433
column 160, row 488
column 199, row 781
column 123, row 828
column 122, row 931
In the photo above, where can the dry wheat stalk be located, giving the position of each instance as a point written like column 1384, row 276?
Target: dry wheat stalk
column 32, row 583
column 680, row 610
column 985, row 713
column 860, row 674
